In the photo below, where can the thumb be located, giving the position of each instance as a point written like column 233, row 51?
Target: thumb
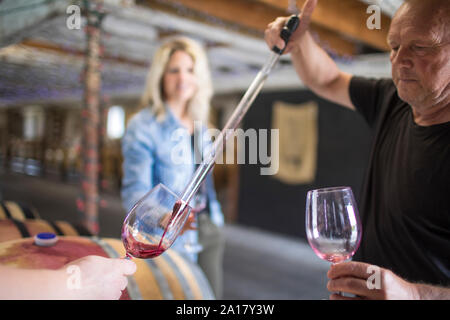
column 305, row 20
column 126, row 266
column 305, row 15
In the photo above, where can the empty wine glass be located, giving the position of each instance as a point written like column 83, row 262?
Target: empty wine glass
column 198, row 204
column 154, row 223
column 333, row 227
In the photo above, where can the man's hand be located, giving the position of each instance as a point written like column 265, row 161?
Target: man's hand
column 272, row 33
column 353, row 277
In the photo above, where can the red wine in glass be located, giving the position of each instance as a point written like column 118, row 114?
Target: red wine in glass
column 334, row 253
column 154, row 223
column 139, row 249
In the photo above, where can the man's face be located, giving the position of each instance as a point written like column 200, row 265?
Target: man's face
column 420, row 56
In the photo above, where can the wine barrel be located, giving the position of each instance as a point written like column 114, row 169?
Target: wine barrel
column 11, row 229
column 169, row 276
column 18, row 211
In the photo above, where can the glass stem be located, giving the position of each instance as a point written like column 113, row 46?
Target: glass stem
column 337, row 292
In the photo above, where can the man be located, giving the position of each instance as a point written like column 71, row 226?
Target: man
column 405, row 204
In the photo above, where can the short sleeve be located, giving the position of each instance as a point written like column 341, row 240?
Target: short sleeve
column 369, row 95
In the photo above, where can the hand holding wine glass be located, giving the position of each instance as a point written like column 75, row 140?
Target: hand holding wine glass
column 333, row 227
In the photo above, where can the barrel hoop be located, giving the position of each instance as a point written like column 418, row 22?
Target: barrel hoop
column 66, row 228
column 171, row 277
column 15, row 210
column 207, row 291
column 55, row 227
column 22, row 228
column 34, row 212
column 132, row 287
column 29, row 214
column 81, row 230
column 162, row 281
column 182, row 280
column 6, row 211
column 185, row 269
column 2, row 213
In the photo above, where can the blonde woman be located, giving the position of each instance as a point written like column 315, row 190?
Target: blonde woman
column 158, row 146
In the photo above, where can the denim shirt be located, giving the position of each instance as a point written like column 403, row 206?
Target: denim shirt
column 159, row 151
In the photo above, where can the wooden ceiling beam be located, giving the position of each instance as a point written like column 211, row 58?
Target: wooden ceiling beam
column 250, row 15
column 347, row 17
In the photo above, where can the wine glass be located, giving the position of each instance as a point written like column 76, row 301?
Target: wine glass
column 154, row 223
column 198, row 204
column 333, row 227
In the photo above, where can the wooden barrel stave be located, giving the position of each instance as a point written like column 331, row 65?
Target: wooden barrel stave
column 18, row 211
column 11, row 229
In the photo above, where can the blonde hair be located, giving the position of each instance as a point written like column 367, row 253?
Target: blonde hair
column 199, row 105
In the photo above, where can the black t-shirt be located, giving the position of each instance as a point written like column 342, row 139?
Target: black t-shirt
column 405, row 201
